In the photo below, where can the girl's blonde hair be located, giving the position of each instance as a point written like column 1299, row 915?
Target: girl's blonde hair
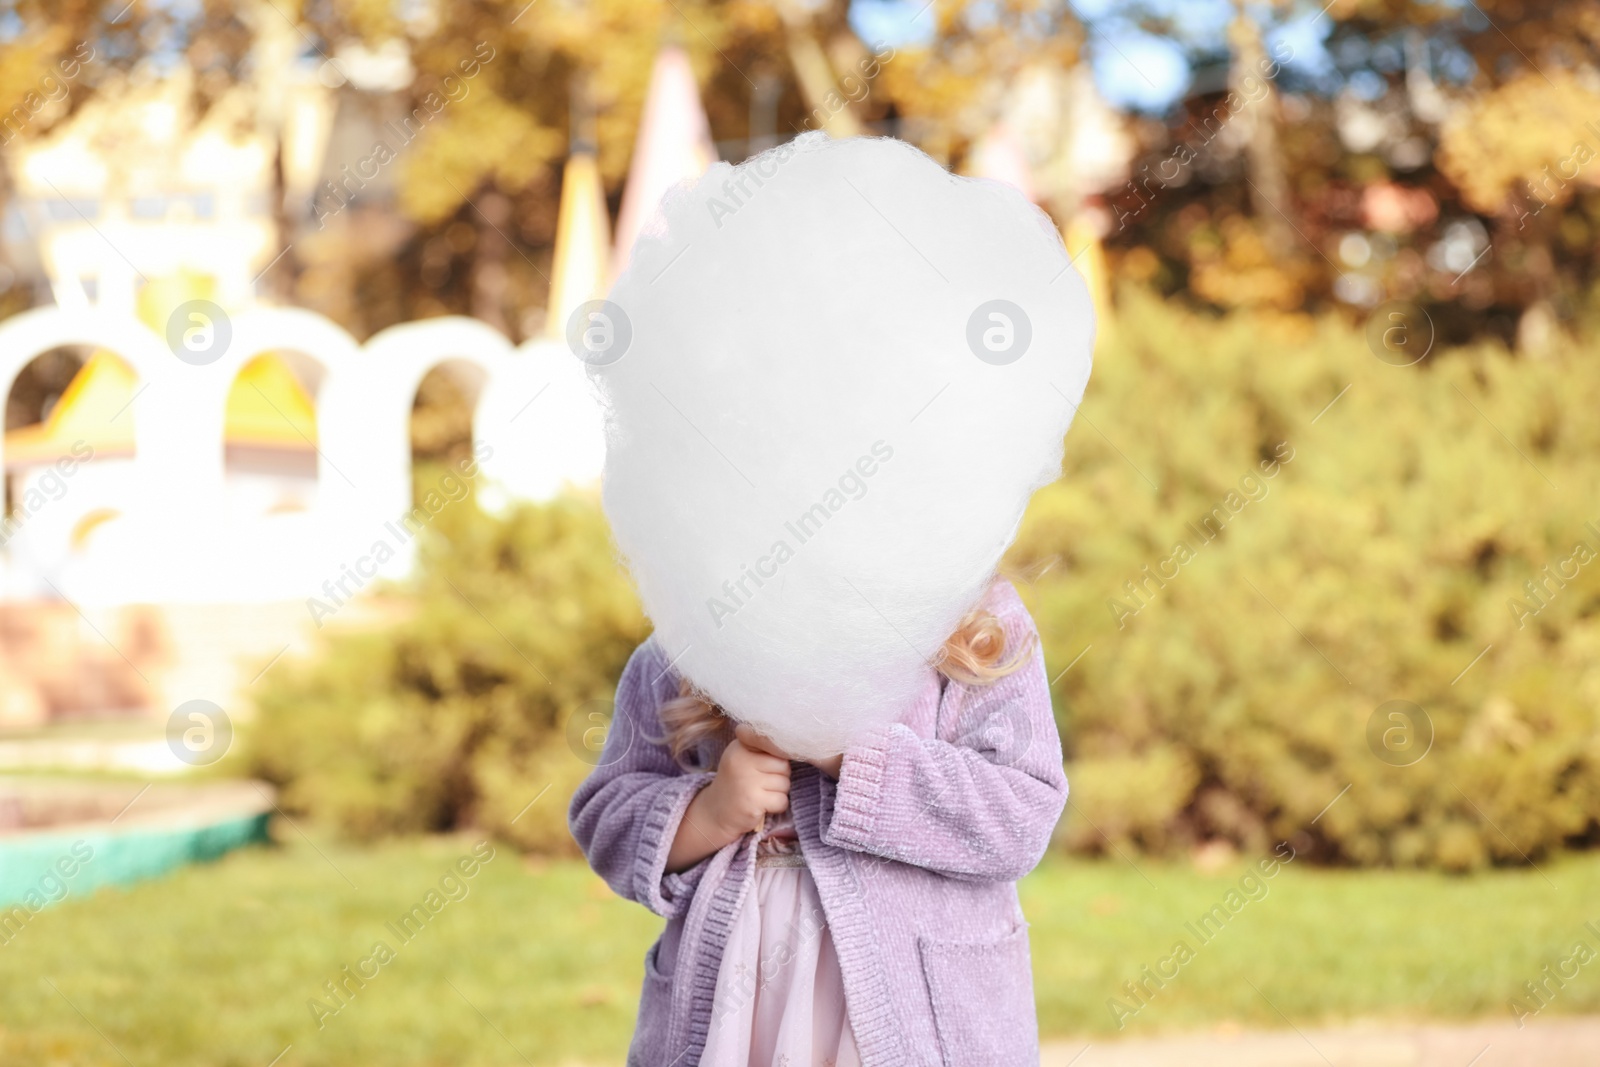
column 974, row 655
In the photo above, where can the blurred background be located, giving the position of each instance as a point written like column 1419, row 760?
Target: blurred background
column 306, row 595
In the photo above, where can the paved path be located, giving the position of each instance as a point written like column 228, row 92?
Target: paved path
column 1542, row 1043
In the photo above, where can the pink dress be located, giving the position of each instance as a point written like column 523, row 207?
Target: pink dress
column 780, row 997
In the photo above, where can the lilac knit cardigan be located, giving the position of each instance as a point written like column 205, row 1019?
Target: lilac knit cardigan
column 915, row 850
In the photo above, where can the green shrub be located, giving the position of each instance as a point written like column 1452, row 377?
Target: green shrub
column 1232, row 700
column 457, row 715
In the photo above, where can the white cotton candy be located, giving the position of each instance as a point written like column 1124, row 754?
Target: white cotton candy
column 810, row 471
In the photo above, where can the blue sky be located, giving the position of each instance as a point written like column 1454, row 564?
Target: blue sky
column 1133, row 67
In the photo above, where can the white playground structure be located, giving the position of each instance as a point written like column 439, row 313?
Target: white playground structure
column 172, row 535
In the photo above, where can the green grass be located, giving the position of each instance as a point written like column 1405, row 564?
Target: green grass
column 1322, row 946
column 214, row 965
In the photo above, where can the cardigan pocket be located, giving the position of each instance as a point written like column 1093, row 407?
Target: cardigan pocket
column 655, row 1013
column 982, row 998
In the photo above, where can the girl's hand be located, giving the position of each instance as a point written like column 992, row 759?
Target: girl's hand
column 750, row 784
column 750, row 739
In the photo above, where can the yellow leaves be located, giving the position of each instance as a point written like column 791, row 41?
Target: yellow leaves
column 953, row 87
column 1535, row 134
column 481, row 138
column 1139, row 265
column 1242, row 272
column 1497, row 725
column 512, row 129
column 38, row 72
column 372, row 20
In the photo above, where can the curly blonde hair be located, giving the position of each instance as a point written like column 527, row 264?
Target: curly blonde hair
column 974, row 655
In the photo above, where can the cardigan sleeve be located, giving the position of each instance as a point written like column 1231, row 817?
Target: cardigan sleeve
column 980, row 801
column 627, row 812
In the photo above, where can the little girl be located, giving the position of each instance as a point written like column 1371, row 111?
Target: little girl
column 858, row 910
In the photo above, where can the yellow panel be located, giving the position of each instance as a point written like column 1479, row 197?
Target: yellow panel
column 93, row 410
column 267, row 406
column 583, row 242
column 1083, row 245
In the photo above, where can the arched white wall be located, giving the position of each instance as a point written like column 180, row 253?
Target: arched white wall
column 375, row 403
column 535, row 413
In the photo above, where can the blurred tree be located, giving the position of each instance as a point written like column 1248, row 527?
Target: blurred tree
column 1414, row 154
column 1524, row 77
column 1269, row 183
column 481, row 183
column 764, row 69
column 951, row 90
column 1449, row 143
